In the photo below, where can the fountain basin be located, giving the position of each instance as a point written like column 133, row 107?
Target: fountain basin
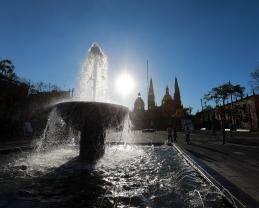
column 92, row 119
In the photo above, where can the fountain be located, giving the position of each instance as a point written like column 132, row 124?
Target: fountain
column 89, row 115
column 92, row 119
column 125, row 176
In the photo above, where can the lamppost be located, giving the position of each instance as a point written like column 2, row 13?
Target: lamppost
column 202, row 120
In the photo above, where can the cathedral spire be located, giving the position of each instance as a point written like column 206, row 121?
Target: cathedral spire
column 167, row 90
column 177, row 95
column 151, row 96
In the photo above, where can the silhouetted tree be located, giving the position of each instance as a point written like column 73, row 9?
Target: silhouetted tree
column 220, row 95
column 183, row 112
column 255, row 79
column 238, row 91
column 7, row 69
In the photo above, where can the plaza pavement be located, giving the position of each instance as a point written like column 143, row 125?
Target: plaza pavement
column 235, row 166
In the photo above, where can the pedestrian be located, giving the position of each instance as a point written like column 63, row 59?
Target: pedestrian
column 169, row 138
column 175, row 135
column 27, row 129
column 187, row 135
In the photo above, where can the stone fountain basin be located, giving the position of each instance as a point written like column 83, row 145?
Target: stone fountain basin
column 92, row 119
column 78, row 114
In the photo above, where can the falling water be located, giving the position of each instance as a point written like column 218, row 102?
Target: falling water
column 56, row 133
column 93, row 76
column 93, row 87
column 124, row 135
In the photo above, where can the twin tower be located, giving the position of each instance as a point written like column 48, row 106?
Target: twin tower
column 169, row 105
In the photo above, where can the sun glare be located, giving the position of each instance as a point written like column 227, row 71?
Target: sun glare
column 124, row 84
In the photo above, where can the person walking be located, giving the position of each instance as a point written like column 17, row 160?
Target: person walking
column 169, row 138
column 175, row 135
column 187, row 135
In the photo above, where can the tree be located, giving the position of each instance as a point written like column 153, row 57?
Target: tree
column 189, row 110
column 7, row 69
column 255, row 79
column 220, row 95
column 238, row 91
column 183, row 112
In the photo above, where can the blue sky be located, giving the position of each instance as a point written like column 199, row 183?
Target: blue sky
column 202, row 42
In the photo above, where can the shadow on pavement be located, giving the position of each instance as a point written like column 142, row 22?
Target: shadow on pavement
column 209, row 148
column 217, row 178
column 201, row 156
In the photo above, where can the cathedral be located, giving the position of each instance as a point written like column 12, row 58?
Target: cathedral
column 158, row 117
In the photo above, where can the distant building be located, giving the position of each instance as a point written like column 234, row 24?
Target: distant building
column 158, row 117
column 243, row 113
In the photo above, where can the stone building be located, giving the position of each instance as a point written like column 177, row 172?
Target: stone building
column 241, row 114
column 157, row 117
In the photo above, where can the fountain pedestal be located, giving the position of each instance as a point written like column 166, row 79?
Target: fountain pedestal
column 92, row 119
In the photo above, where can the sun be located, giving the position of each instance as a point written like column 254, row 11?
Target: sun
column 124, row 84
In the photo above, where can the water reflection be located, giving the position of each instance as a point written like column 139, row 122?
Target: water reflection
column 127, row 176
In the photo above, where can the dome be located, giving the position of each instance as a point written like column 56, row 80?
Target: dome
column 139, row 103
column 167, row 97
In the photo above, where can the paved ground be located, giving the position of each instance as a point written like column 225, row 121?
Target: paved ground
column 251, row 139
column 235, row 166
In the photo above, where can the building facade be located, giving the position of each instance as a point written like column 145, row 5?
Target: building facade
column 241, row 114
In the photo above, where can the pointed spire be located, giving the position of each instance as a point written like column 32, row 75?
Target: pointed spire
column 167, row 90
column 151, row 96
column 176, row 87
column 177, row 95
column 151, row 90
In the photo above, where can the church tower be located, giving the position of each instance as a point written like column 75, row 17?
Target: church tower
column 177, row 95
column 151, row 96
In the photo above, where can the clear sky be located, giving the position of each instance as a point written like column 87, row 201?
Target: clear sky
column 202, row 42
